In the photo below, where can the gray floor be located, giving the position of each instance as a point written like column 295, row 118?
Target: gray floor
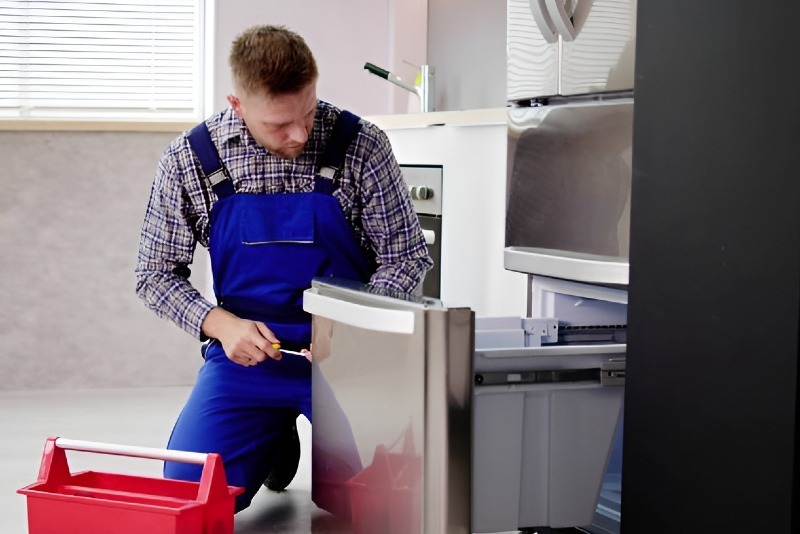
column 142, row 417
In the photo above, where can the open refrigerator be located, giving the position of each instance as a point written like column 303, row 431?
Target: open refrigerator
column 427, row 419
column 392, row 394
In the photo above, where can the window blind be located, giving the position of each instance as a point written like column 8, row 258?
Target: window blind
column 101, row 59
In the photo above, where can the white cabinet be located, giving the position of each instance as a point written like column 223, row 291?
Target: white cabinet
column 471, row 147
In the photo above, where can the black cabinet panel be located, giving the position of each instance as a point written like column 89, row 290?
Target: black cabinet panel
column 711, row 390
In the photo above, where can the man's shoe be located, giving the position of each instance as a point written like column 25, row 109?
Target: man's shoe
column 286, row 460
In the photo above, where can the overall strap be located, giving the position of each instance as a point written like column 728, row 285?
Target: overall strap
column 344, row 132
column 206, row 152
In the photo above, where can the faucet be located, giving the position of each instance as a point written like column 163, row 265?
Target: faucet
column 425, row 90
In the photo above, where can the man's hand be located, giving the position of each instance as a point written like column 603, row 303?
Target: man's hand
column 245, row 342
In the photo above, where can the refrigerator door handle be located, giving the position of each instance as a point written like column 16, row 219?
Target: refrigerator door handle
column 543, row 20
column 561, row 19
column 358, row 315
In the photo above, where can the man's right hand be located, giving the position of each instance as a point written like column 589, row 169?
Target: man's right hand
column 245, row 342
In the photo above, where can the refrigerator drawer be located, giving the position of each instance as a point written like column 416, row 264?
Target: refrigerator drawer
column 606, row 359
column 544, row 423
column 540, row 453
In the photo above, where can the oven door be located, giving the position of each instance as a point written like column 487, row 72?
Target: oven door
column 432, row 228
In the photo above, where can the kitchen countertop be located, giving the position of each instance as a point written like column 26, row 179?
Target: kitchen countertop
column 471, row 117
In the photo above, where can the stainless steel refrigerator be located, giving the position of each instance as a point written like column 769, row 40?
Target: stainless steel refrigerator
column 570, row 119
column 570, row 79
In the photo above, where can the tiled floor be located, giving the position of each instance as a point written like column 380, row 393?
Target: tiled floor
column 141, row 417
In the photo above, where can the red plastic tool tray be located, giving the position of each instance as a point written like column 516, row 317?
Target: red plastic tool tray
column 90, row 502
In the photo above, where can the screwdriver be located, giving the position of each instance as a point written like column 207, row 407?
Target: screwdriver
column 278, row 346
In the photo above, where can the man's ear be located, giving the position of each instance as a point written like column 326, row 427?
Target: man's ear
column 236, row 104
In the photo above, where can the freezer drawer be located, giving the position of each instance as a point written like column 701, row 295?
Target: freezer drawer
column 391, row 402
column 540, row 448
column 535, row 463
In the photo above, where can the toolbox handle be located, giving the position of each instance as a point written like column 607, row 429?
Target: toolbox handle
column 213, row 486
column 130, row 450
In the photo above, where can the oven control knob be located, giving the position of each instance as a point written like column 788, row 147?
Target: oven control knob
column 420, row 192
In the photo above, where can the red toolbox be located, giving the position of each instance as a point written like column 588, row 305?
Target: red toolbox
column 90, row 502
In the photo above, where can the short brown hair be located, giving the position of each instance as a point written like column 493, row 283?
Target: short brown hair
column 271, row 60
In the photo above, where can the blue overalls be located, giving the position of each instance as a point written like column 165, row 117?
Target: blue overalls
column 265, row 249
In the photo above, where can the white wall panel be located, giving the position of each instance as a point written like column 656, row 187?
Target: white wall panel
column 473, row 207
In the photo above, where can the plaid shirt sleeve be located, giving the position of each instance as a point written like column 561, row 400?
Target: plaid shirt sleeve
column 388, row 218
column 166, row 247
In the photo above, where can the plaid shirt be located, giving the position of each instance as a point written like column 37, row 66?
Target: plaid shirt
column 372, row 195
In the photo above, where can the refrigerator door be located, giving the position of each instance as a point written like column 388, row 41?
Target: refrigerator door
column 533, row 48
column 568, row 191
column 598, row 44
column 391, row 402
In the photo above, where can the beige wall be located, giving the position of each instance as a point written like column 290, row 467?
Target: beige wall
column 467, row 44
column 71, row 207
column 464, row 40
column 343, row 36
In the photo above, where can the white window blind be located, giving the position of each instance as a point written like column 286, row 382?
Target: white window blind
column 101, row 59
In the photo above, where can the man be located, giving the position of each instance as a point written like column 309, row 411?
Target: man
column 278, row 198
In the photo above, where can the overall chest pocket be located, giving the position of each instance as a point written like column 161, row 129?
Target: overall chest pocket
column 277, row 220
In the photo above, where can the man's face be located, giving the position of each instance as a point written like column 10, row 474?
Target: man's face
column 279, row 123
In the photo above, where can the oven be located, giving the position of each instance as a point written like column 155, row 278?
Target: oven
column 424, row 183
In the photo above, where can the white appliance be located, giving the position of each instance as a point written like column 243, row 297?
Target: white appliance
column 424, row 183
